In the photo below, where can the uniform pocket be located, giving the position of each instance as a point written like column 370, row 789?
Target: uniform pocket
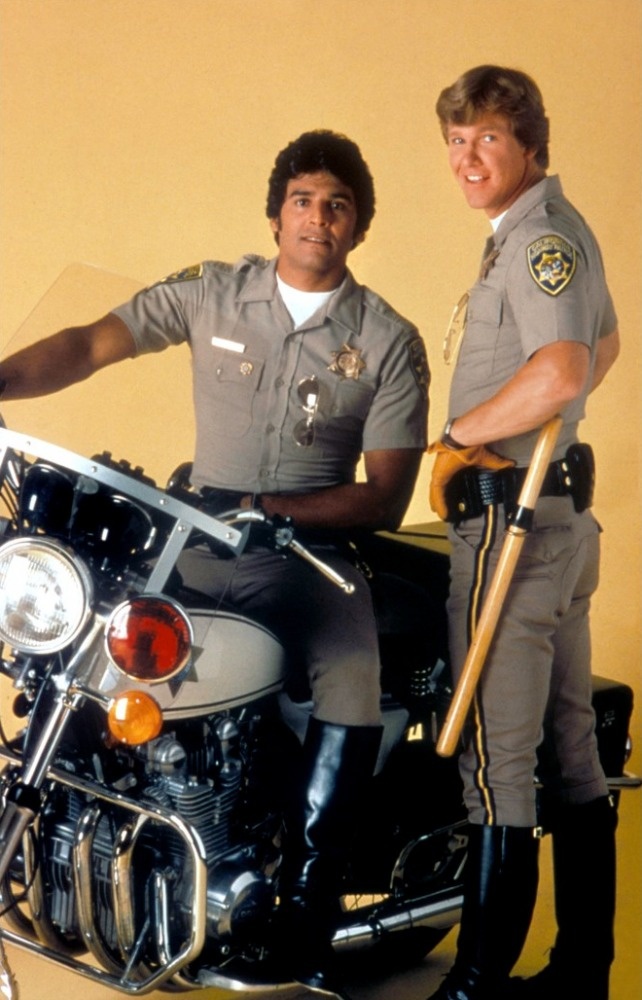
column 482, row 334
column 350, row 398
column 238, row 369
column 484, row 306
column 226, row 387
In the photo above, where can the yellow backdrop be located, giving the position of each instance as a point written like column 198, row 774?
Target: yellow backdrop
column 138, row 137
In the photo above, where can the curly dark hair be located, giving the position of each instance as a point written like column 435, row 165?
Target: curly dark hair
column 497, row 90
column 319, row 150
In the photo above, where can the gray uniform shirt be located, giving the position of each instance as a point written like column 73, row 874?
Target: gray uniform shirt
column 248, row 360
column 546, row 284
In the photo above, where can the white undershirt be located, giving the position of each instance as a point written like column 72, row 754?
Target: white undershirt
column 301, row 305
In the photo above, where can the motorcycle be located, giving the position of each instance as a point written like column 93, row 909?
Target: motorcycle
column 153, row 739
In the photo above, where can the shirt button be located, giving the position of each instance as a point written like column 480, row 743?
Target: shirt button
column 278, row 383
column 269, row 429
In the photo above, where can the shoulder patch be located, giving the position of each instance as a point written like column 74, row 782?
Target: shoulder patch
column 551, row 262
column 186, row 274
column 419, row 364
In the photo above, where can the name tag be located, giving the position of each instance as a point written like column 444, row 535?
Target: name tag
column 228, row 345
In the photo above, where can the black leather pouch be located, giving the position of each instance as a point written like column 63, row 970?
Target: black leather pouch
column 579, row 466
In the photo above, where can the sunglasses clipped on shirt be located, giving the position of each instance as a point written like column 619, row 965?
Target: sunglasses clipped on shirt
column 308, row 393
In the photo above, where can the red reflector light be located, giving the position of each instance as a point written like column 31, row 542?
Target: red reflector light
column 149, row 638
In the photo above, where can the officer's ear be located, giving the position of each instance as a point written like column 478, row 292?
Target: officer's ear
column 358, row 238
column 275, row 226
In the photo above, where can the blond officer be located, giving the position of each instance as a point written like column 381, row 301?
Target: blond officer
column 540, row 333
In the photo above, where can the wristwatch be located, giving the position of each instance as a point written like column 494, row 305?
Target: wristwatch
column 448, row 439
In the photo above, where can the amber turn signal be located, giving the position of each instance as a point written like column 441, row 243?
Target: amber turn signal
column 134, row 717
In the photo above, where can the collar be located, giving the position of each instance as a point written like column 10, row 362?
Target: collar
column 547, row 188
column 344, row 308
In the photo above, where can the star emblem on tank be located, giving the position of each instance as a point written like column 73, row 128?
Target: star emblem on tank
column 348, row 362
column 552, row 262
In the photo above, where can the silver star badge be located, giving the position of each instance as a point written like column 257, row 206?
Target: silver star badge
column 348, row 362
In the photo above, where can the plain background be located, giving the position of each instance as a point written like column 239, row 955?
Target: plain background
column 138, row 135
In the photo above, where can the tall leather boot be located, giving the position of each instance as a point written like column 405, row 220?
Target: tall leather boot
column 338, row 761
column 500, row 888
column 584, row 875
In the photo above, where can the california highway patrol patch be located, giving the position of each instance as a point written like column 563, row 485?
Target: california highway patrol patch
column 552, row 262
column 186, row 274
column 419, row 364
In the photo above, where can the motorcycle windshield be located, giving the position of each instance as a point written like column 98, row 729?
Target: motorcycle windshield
column 139, row 414
column 139, row 410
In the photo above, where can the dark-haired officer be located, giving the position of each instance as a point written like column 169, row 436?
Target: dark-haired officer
column 540, row 334
column 298, row 372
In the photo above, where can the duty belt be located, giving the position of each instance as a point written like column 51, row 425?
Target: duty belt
column 471, row 490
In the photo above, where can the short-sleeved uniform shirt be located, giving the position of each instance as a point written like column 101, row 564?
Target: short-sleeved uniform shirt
column 248, row 360
column 546, row 283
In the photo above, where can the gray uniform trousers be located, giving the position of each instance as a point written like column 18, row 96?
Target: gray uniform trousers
column 330, row 637
column 536, row 681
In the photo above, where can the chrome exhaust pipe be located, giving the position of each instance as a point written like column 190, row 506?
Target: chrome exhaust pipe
column 443, row 913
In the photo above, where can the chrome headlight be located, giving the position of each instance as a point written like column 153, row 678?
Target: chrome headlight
column 45, row 595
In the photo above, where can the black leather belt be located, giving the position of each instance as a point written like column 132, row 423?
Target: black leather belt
column 470, row 490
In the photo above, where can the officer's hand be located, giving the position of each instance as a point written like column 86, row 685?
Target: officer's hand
column 448, row 461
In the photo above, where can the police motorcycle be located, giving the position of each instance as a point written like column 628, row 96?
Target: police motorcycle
column 148, row 739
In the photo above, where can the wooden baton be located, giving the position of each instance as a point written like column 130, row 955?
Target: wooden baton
column 485, row 629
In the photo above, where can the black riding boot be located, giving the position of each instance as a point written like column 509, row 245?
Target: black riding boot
column 337, row 763
column 500, row 887
column 584, row 872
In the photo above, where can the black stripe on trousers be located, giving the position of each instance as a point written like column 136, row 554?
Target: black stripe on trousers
column 476, row 594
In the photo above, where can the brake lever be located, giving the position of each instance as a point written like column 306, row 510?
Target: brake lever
column 327, row 571
column 284, row 539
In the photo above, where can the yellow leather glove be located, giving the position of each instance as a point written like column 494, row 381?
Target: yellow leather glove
column 450, row 461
